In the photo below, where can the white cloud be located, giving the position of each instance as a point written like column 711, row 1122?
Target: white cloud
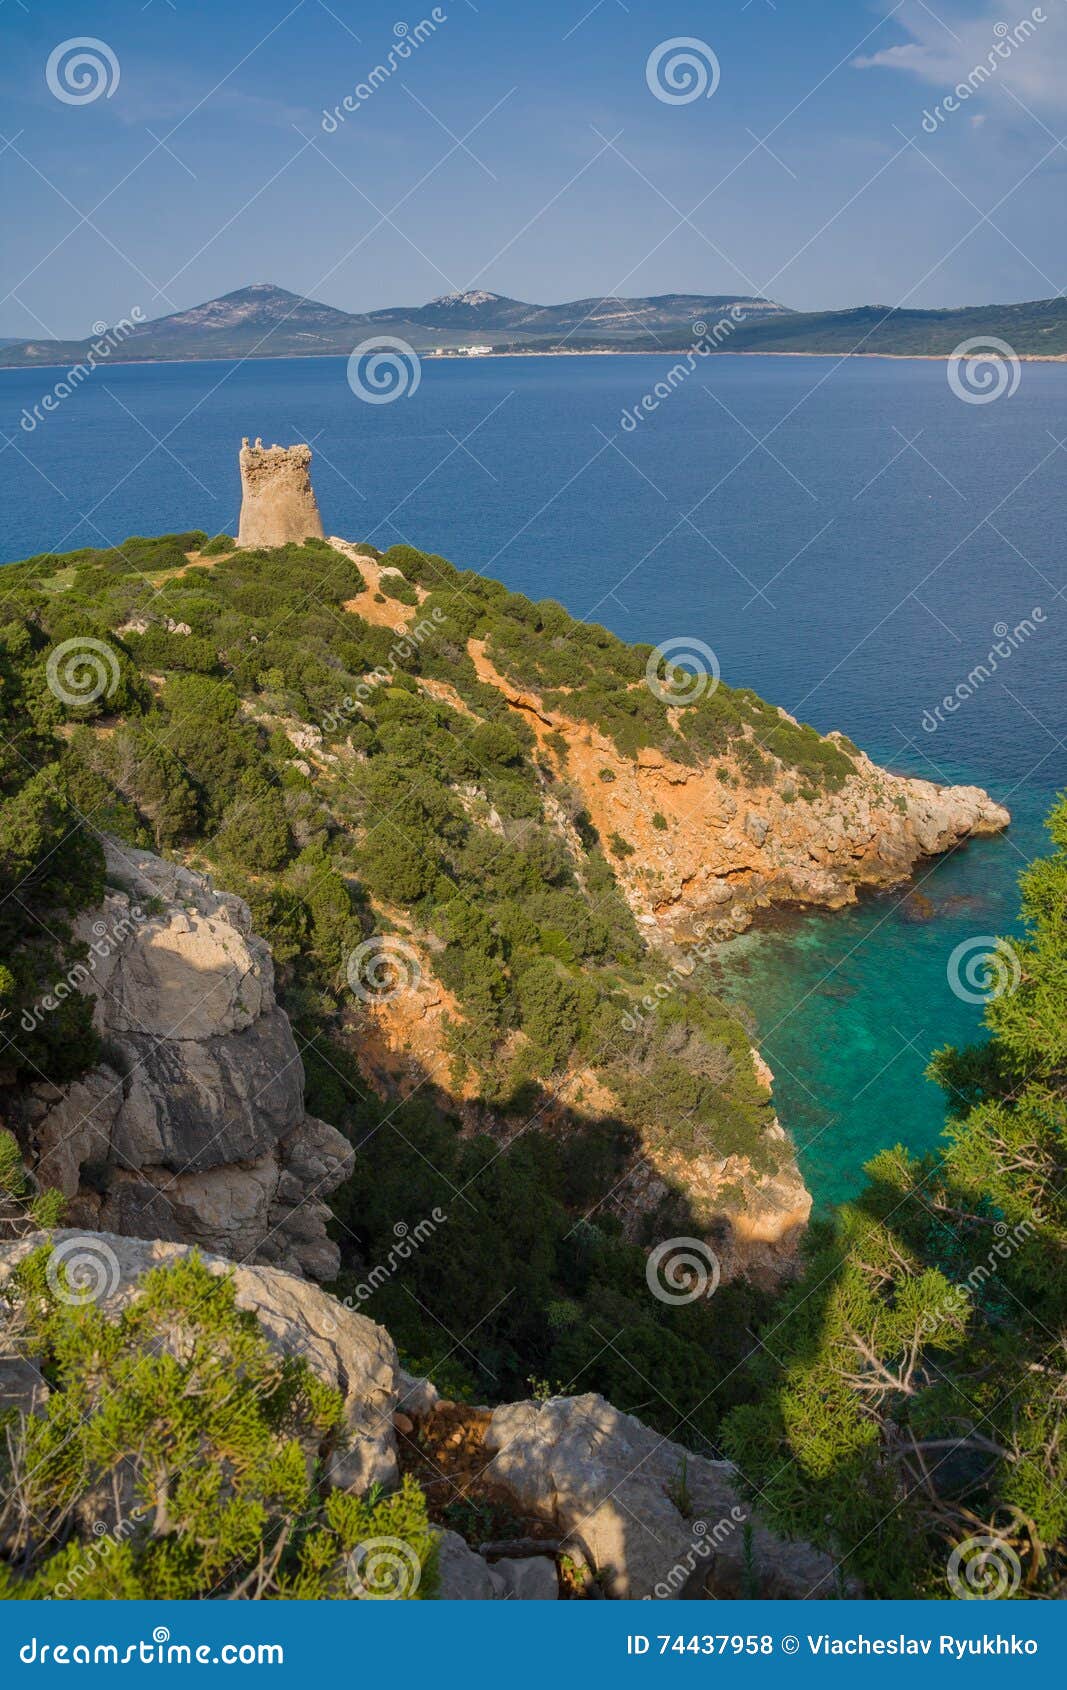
column 1020, row 47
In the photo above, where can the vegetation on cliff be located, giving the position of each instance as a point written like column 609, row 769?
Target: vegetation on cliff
column 910, row 1389
column 419, row 817
column 177, row 752
column 209, row 1446
column 916, row 1397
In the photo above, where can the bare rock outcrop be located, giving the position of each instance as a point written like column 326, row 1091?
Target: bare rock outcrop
column 278, row 504
column 613, row 1486
column 343, row 1349
column 194, row 1128
column 611, row 1489
column 752, row 1221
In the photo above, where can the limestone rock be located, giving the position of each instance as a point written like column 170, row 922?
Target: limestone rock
column 344, row 1349
column 718, row 860
column 530, row 1579
column 606, row 1481
column 195, row 1131
column 752, row 1221
column 278, row 505
column 465, row 1575
column 416, row 1396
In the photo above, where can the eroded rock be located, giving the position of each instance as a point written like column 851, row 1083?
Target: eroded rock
column 195, row 1129
column 613, row 1487
column 344, row 1349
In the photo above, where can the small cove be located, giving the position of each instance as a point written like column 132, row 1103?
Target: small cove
column 846, row 536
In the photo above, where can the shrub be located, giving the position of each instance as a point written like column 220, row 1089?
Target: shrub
column 255, row 829
column 548, row 1005
column 395, row 587
column 208, row 1451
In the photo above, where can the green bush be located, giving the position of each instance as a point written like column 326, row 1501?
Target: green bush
column 210, row 1446
column 914, row 1403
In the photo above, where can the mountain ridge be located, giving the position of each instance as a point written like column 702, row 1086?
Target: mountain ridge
column 263, row 320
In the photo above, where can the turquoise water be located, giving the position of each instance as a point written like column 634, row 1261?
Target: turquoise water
column 844, row 536
column 851, row 1005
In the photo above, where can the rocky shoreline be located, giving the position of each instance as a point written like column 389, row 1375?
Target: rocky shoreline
column 728, row 851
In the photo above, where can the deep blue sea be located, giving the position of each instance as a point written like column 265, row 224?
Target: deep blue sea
column 846, row 536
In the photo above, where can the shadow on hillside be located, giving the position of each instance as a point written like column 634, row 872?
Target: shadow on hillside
column 875, row 1426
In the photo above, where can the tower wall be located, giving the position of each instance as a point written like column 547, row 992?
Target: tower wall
column 278, row 505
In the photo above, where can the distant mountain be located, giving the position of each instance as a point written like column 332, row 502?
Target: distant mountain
column 264, row 321
column 1037, row 328
column 492, row 314
column 257, row 321
column 256, row 310
column 474, row 311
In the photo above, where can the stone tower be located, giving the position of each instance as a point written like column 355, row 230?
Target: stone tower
column 278, row 506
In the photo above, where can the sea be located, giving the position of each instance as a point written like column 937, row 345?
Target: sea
column 859, row 540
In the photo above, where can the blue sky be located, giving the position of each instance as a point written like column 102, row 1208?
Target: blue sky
column 807, row 175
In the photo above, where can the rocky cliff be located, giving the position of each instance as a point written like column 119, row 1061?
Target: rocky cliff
column 725, row 848
column 193, row 1128
column 710, row 846
column 605, row 1506
column 485, row 862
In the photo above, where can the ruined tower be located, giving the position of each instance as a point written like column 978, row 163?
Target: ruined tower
column 278, row 506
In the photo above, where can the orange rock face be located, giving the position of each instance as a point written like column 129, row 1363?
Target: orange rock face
column 728, row 849
column 710, row 849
